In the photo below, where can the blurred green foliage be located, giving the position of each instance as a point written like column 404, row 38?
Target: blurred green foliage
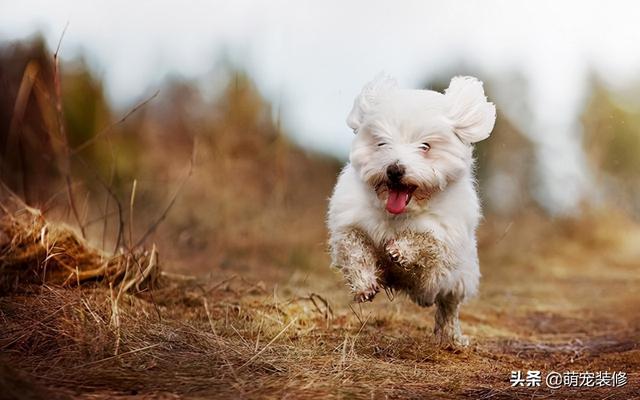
column 86, row 110
column 611, row 124
column 612, row 134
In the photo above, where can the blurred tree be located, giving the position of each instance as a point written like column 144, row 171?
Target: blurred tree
column 34, row 133
column 29, row 140
column 244, row 118
column 505, row 168
column 612, row 143
column 85, row 107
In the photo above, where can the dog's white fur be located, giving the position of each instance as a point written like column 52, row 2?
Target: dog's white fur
column 392, row 126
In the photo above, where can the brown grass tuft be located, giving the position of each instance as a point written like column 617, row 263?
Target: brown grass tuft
column 35, row 251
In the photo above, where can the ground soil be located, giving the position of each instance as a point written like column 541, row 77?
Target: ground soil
column 556, row 296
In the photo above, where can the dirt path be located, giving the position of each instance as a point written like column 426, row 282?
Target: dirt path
column 566, row 304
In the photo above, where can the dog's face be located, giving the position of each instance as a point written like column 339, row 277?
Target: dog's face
column 410, row 144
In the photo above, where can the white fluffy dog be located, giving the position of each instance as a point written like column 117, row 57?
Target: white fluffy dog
column 404, row 212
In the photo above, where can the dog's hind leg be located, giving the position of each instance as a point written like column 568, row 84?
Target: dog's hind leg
column 447, row 324
column 421, row 265
column 354, row 254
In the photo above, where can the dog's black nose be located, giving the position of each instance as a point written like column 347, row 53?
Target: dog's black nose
column 395, row 172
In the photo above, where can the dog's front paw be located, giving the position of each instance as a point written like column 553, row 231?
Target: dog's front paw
column 367, row 294
column 395, row 253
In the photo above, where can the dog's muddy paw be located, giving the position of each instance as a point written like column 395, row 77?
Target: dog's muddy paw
column 455, row 343
column 425, row 300
column 367, row 294
column 393, row 251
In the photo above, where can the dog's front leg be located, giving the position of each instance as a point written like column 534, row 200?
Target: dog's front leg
column 447, row 324
column 354, row 254
column 419, row 262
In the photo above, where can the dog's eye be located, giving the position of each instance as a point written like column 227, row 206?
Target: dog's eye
column 425, row 146
column 382, row 144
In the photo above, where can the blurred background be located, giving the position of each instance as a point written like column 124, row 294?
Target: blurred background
column 217, row 128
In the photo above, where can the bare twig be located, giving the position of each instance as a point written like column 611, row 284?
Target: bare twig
column 328, row 311
column 64, row 31
column 249, row 361
column 114, row 196
column 355, row 313
column 316, row 300
column 15, row 198
column 63, row 134
column 152, row 228
column 215, row 334
column 119, row 355
column 112, row 173
column 143, row 274
column 219, row 284
column 132, row 199
column 72, row 205
column 107, row 129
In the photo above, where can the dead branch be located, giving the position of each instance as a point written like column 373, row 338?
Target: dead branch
column 152, row 228
column 63, row 134
column 108, row 128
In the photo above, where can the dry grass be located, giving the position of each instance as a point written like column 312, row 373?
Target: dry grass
column 550, row 308
column 34, row 251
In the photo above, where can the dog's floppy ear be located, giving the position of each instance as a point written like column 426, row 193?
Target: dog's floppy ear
column 368, row 98
column 471, row 116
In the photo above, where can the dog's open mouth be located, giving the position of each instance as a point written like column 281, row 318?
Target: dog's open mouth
column 399, row 197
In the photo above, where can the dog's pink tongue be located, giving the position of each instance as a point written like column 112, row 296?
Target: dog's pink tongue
column 397, row 201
